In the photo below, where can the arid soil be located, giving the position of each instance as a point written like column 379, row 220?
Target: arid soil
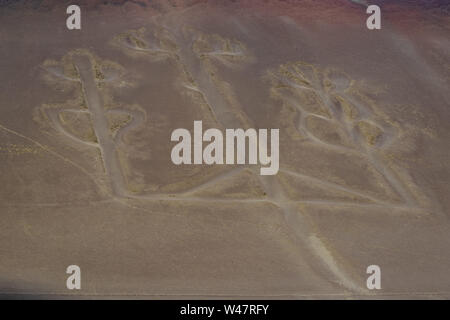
column 87, row 179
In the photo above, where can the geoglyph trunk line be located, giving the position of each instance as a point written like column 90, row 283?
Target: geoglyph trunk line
column 100, row 125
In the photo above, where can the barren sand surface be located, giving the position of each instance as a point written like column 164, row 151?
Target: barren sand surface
column 87, row 179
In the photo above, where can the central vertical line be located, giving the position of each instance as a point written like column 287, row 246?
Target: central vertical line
column 100, row 123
